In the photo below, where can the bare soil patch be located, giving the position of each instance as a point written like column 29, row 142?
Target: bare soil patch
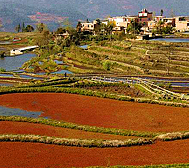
column 41, row 155
column 100, row 112
column 7, row 127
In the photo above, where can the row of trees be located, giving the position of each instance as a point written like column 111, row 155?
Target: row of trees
column 161, row 29
column 22, row 28
column 39, row 27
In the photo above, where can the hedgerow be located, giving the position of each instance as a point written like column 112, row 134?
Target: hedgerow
column 74, row 142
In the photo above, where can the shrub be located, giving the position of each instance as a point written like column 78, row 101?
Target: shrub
column 107, row 65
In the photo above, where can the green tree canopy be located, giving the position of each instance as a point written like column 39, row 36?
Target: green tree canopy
column 41, row 27
column 134, row 27
column 29, row 28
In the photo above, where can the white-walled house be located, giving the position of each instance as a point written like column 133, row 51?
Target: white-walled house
column 182, row 23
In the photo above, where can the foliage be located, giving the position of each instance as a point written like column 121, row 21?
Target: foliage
column 18, row 28
column 2, row 70
column 107, row 65
column 44, row 39
column 134, row 27
column 41, row 27
column 29, row 28
column 60, row 30
column 2, row 54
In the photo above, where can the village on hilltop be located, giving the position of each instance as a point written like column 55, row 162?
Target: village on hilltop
column 149, row 23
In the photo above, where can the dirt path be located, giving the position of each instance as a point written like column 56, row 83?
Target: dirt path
column 101, row 112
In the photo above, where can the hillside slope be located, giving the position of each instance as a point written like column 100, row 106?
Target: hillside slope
column 14, row 11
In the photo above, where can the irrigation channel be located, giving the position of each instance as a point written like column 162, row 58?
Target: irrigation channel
column 172, row 40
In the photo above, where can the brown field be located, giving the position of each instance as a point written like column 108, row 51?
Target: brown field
column 30, row 155
column 45, row 130
column 96, row 112
column 102, row 112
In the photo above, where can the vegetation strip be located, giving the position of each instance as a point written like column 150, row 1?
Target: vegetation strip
column 114, row 131
column 73, row 142
column 63, row 124
column 147, row 166
column 173, row 136
column 80, row 91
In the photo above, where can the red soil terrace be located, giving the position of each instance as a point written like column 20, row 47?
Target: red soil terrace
column 30, row 155
column 100, row 112
column 7, row 127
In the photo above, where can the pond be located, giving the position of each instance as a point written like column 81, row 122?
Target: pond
column 5, row 111
column 5, row 42
column 30, row 77
column 174, row 40
column 84, row 47
column 6, row 84
column 14, row 63
column 62, row 72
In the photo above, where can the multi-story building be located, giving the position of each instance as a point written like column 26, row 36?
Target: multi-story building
column 87, row 26
column 144, row 17
column 169, row 22
column 182, row 23
column 122, row 22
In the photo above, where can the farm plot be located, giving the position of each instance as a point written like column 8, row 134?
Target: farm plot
column 45, row 130
column 40, row 155
column 100, row 112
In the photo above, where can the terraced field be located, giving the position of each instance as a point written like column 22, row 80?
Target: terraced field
column 150, row 57
column 84, row 121
column 130, row 127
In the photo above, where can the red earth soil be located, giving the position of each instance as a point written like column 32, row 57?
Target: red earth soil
column 101, row 112
column 35, row 155
column 45, row 130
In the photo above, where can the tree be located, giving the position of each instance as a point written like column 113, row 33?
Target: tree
column 78, row 27
column 60, row 30
column 87, row 21
column 97, row 26
column 41, row 27
column 29, row 28
column 134, row 27
column 161, row 12
column 18, row 28
column 167, row 30
column 107, row 65
column 110, row 26
column 23, row 27
column 44, row 39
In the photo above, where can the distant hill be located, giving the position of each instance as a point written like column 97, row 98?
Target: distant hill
column 13, row 12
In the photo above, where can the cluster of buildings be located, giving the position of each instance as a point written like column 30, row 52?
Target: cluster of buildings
column 145, row 18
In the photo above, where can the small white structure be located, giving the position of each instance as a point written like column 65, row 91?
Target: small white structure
column 20, row 51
